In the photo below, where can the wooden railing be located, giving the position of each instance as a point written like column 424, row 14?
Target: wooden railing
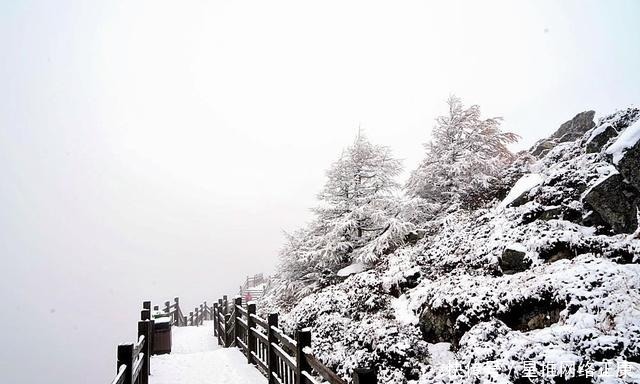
column 134, row 358
column 196, row 317
column 252, row 287
column 280, row 358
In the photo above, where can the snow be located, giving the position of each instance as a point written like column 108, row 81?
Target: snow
column 598, row 130
column 402, row 312
column 579, row 300
column 627, row 139
column 523, row 185
column 356, row 267
column 441, row 354
column 197, row 359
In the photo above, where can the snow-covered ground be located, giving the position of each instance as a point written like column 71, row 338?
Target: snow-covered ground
column 197, row 359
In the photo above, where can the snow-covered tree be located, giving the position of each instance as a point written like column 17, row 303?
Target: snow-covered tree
column 464, row 157
column 358, row 201
column 357, row 218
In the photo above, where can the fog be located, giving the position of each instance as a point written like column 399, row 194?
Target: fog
column 153, row 149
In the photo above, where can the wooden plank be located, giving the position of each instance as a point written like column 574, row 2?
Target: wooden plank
column 303, row 340
column 284, row 356
column 260, row 335
column 144, row 330
column 258, row 361
column 251, row 340
column 242, row 310
column 259, row 321
column 119, row 379
column 137, row 347
column 308, row 379
column 137, row 368
column 322, row 370
column 288, row 342
column 275, row 378
column 241, row 344
column 125, row 357
column 272, row 320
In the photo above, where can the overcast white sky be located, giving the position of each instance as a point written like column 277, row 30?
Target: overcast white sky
column 158, row 148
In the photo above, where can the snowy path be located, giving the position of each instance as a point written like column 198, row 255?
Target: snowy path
column 197, row 359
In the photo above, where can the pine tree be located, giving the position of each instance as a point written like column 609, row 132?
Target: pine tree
column 464, row 157
column 357, row 201
column 357, row 219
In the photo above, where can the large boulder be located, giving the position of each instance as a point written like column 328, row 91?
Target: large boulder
column 438, row 325
column 609, row 128
column 514, row 260
column 600, row 137
column 532, row 313
column 569, row 131
column 615, row 204
column 629, row 165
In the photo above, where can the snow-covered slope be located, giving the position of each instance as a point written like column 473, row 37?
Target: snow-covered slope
column 535, row 287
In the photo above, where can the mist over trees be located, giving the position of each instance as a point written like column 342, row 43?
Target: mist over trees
column 364, row 213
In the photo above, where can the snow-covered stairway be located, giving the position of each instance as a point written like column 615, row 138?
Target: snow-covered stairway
column 197, row 359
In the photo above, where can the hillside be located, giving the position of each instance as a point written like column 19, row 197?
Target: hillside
column 542, row 282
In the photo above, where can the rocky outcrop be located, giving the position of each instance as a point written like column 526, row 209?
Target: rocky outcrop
column 569, row 131
column 514, row 260
column 629, row 166
column 600, row 137
column 438, row 325
column 615, row 204
column 532, row 313
column 610, row 127
column 557, row 251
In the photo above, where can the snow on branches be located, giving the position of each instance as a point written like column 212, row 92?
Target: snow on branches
column 356, row 220
column 465, row 155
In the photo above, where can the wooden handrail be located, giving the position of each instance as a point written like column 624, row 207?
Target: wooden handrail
column 119, row 379
column 279, row 357
column 322, row 369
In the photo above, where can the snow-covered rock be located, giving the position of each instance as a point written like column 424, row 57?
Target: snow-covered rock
column 568, row 131
column 517, row 194
column 352, row 268
column 552, row 280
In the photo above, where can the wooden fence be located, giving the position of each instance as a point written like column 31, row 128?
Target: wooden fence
column 200, row 313
column 282, row 359
column 254, row 287
column 134, row 358
column 133, row 364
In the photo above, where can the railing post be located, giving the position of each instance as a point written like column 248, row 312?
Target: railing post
column 303, row 340
column 144, row 329
column 167, row 309
column 272, row 321
column 202, row 313
column 364, row 376
column 196, row 316
column 152, row 336
column 220, row 325
column 190, row 318
column 251, row 340
column 215, row 321
column 207, row 312
column 227, row 322
column 236, row 323
column 225, row 304
column 125, row 357
column 176, row 316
